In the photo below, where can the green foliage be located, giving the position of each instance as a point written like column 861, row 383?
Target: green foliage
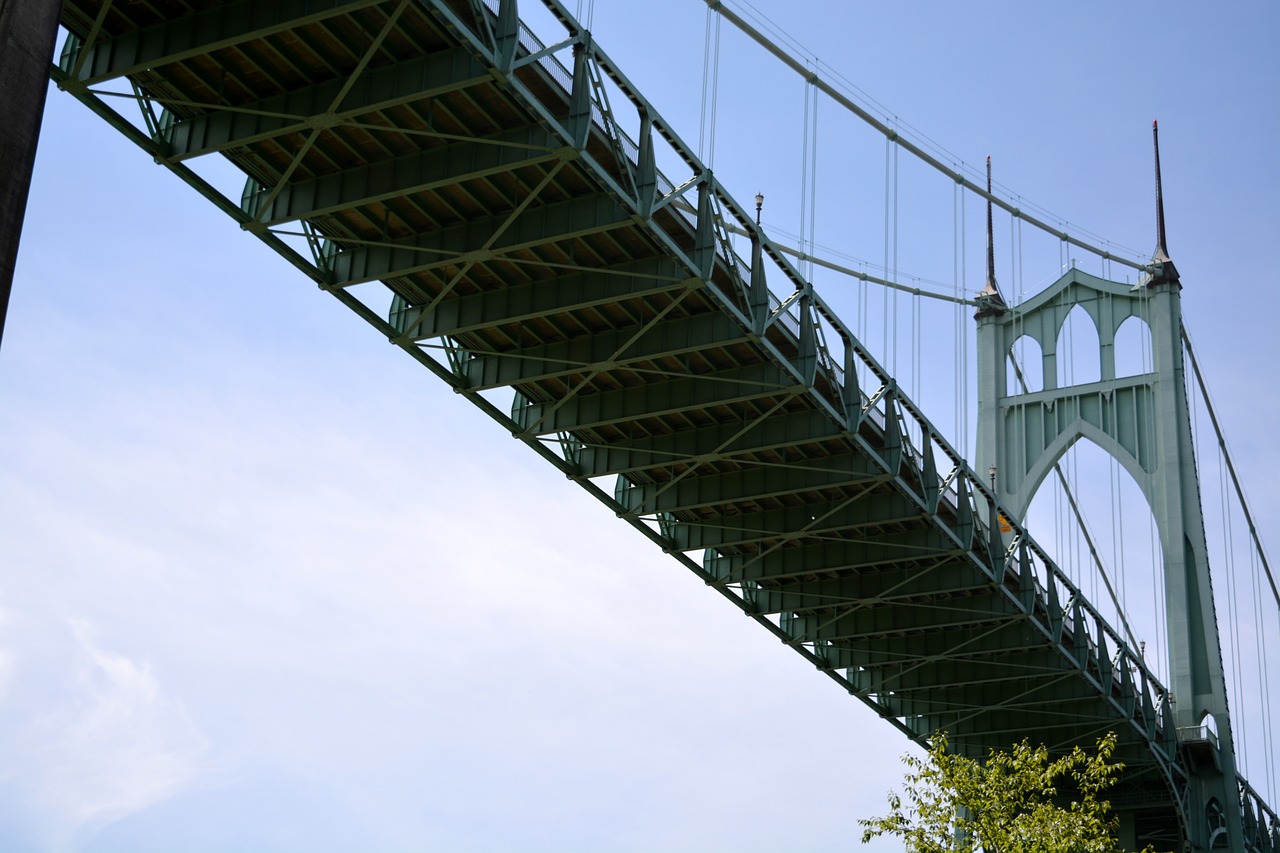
column 1014, row 802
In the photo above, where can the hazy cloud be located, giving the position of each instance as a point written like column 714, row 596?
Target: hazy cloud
column 112, row 744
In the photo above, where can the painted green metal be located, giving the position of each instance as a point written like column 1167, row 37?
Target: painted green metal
column 536, row 260
column 1144, row 423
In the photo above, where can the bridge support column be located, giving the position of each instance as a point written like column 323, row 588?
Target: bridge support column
column 991, row 386
column 1144, row 423
column 28, row 30
column 1195, row 652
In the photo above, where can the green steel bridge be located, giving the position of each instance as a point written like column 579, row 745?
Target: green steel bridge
column 503, row 193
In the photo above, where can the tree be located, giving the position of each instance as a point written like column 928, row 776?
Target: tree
column 1014, row 802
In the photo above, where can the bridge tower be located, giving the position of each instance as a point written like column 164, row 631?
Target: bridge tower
column 1143, row 422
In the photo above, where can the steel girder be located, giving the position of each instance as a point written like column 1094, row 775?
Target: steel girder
column 477, row 240
column 420, row 172
column 855, row 553
column 668, row 395
column 797, row 431
column 641, row 343
column 198, row 34
column 989, row 646
column 892, row 584
column 418, row 79
column 761, row 481
column 522, row 304
column 838, row 518
column 868, row 620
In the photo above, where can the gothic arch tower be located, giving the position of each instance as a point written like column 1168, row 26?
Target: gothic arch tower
column 1143, row 421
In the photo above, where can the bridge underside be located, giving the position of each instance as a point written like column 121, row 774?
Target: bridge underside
column 474, row 199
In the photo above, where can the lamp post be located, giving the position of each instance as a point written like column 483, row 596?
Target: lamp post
column 759, row 204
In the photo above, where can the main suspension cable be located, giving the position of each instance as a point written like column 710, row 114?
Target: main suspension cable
column 801, row 255
column 892, row 134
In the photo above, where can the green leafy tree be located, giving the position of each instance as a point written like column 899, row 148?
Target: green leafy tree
column 1014, row 802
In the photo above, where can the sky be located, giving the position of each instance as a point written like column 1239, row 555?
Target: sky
column 266, row 584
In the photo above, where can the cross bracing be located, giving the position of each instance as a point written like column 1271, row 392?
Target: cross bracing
column 516, row 228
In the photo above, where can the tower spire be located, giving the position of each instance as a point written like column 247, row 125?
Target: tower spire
column 1163, row 269
column 989, row 300
column 991, row 289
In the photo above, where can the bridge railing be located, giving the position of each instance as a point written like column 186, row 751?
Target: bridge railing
column 1260, row 823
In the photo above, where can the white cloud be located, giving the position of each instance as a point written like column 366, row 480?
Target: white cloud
column 111, row 745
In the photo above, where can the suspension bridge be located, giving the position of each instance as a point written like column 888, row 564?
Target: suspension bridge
column 511, row 211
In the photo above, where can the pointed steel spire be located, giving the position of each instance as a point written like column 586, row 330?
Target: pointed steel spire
column 1164, row 270
column 991, row 289
column 989, row 300
column 1162, row 248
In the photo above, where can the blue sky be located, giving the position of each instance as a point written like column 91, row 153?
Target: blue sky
column 267, row 585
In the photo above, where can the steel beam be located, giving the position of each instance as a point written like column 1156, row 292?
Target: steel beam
column 1031, row 692
column 377, row 89
column 203, row 32
column 587, row 353
column 1018, row 665
column 536, row 226
column 999, row 728
column 447, row 166
column 921, row 546
column 759, row 481
column 810, row 520
column 524, row 303
column 664, row 396
column 863, row 588
column 977, row 712
column 967, row 612
column 951, row 644
column 712, row 443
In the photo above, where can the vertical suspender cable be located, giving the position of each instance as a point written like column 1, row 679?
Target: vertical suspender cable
column 1112, row 478
column 706, row 86
column 804, row 188
column 964, row 330
column 808, row 178
column 1066, row 372
column 1233, row 610
column 917, row 386
column 813, row 179
column 888, row 195
column 715, row 93
column 894, row 275
column 960, row 318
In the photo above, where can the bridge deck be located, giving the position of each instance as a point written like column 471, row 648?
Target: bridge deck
column 436, row 157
